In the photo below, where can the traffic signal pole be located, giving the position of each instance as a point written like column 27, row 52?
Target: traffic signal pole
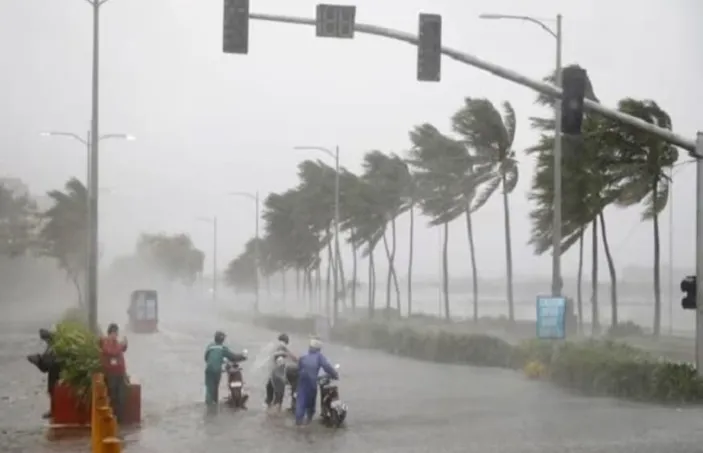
column 699, row 254
column 499, row 71
column 694, row 147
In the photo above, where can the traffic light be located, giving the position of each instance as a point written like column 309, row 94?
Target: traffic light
column 335, row 21
column 429, row 48
column 688, row 286
column 573, row 85
column 235, row 35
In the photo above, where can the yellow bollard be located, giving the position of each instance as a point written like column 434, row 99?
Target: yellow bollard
column 103, row 423
column 112, row 445
column 109, row 442
column 95, row 424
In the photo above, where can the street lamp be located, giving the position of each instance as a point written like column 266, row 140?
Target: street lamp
column 93, row 178
column 92, row 199
column 86, row 142
column 257, row 251
column 557, row 221
column 213, row 221
column 335, row 156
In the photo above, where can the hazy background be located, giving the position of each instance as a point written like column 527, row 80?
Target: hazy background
column 208, row 123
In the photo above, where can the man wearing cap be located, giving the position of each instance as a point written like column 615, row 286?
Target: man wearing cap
column 309, row 367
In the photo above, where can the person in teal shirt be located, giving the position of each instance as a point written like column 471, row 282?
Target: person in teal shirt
column 215, row 355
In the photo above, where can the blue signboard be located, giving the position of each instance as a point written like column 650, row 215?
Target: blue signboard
column 551, row 317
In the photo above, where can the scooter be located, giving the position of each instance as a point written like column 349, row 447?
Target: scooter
column 333, row 411
column 238, row 397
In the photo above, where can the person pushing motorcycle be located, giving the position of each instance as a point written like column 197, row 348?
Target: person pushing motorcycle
column 215, row 355
column 276, row 383
column 309, row 367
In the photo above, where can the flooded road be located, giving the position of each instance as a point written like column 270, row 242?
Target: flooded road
column 395, row 404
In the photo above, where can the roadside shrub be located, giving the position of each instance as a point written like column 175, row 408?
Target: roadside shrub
column 626, row 329
column 593, row 367
column 76, row 347
column 299, row 326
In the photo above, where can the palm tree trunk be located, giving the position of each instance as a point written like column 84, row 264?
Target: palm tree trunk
column 445, row 272
column 395, row 274
column 595, row 319
column 284, row 287
column 307, row 290
column 314, row 306
column 508, row 253
column 657, row 275
column 328, row 284
column 410, row 261
column 354, row 278
column 297, row 284
column 318, row 285
column 342, row 288
column 389, row 275
column 579, row 284
column 372, row 283
column 474, row 271
column 611, row 270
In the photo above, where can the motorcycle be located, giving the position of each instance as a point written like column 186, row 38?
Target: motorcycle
column 333, row 411
column 291, row 374
column 238, row 397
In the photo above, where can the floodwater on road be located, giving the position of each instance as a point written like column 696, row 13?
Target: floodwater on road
column 395, row 404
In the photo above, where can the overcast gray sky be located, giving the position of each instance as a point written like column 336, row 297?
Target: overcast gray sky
column 209, row 123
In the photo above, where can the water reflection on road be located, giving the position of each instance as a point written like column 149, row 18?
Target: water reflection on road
column 395, row 405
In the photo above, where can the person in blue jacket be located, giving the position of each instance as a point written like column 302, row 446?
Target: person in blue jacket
column 309, row 367
column 215, row 355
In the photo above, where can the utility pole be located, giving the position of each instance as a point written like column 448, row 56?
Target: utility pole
column 557, row 227
column 335, row 155
column 699, row 253
column 92, row 291
column 557, row 219
column 337, row 273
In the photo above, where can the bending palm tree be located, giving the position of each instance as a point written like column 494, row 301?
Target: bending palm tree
column 491, row 136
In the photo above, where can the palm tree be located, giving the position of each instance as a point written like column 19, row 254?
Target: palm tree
column 446, row 185
column 412, row 199
column 17, row 215
column 350, row 198
column 490, row 135
column 590, row 182
column 390, row 177
column 64, row 230
column 365, row 220
column 292, row 240
column 242, row 273
column 645, row 178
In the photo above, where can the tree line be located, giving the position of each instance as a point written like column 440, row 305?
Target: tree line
column 451, row 174
column 60, row 232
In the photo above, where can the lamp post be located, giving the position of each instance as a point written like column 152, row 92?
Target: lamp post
column 93, row 179
column 91, row 284
column 557, row 221
column 335, row 155
column 213, row 221
column 257, row 251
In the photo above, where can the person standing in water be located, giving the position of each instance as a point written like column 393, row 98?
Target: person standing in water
column 112, row 353
column 215, row 355
column 281, row 359
column 309, row 367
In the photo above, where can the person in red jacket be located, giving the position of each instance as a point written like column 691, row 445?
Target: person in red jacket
column 112, row 354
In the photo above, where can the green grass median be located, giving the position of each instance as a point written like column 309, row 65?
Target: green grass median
column 591, row 367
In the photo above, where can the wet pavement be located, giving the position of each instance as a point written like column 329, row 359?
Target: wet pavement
column 395, row 404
